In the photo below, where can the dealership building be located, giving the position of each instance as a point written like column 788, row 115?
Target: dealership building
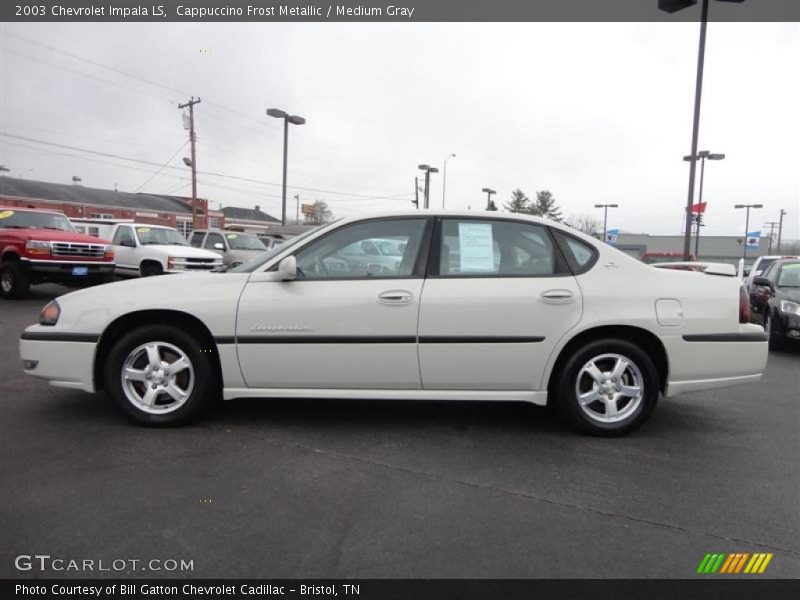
column 712, row 248
column 77, row 201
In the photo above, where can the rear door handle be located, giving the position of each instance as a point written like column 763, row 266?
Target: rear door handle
column 557, row 296
column 396, row 297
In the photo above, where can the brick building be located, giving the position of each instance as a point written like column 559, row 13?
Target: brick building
column 76, row 201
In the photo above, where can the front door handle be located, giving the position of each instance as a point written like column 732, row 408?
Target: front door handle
column 396, row 297
column 557, row 296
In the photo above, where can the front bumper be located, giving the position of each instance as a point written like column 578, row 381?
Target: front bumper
column 64, row 360
column 788, row 326
column 702, row 362
column 64, row 268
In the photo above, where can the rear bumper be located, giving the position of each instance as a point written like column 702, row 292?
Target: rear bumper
column 62, row 363
column 706, row 361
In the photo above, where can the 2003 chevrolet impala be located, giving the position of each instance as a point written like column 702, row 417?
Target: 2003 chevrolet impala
column 474, row 306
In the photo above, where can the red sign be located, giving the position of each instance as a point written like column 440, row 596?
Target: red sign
column 699, row 208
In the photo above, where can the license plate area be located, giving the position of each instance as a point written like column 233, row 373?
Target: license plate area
column 80, row 271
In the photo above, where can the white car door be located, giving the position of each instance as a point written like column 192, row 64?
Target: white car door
column 498, row 298
column 125, row 251
column 344, row 322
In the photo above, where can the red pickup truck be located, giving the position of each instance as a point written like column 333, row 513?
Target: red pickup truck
column 38, row 246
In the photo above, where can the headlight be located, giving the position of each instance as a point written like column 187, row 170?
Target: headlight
column 37, row 247
column 790, row 307
column 175, row 264
column 109, row 252
column 50, row 314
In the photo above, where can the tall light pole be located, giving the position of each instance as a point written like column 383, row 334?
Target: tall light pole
column 780, row 230
column 444, row 177
column 488, row 192
column 427, row 193
column 605, row 208
column 294, row 120
column 702, row 155
column 746, row 225
column 672, row 6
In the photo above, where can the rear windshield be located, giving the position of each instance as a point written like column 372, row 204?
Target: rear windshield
column 26, row 219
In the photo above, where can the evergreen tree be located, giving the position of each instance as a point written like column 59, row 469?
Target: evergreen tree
column 491, row 205
column 519, row 202
column 545, row 206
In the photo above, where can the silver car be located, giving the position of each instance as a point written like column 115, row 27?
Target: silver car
column 234, row 246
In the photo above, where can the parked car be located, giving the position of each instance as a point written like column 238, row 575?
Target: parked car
column 654, row 258
column 761, row 263
column 530, row 311
column 234, row 247
column 143, row 250
column 775, row 294
column 39, row 246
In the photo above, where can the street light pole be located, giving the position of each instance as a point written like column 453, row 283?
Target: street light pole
column 746, row 226
column 294, row 120
column 605, row 208
column 489, row 192
column 672, row 6
column 427, row 193
column 702, row 155
column 780, row 230
column 444, row 177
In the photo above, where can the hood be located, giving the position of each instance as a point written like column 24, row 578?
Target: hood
column 182, row 251
column 54, row 235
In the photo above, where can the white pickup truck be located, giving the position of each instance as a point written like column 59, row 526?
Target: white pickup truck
column 144, row 250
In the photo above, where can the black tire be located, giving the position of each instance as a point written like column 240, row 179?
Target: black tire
column 151, row 270
column 566, row 394
column 774, row 339
column 14, row 282
column 203, row 388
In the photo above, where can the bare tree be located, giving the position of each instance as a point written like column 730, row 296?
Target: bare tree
column 585, row 223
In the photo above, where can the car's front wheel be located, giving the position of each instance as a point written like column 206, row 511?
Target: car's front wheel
column 14, row 283
column 774, row 340
column 607, row 387
column 159, row 375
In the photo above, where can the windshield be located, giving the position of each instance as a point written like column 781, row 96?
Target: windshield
column 244, row 241
column 765, row 262
column 252, row 264
column 790, row 276
column 26, row 219
column 157, row 235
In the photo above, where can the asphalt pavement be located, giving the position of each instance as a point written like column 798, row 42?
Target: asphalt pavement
column 359, row 489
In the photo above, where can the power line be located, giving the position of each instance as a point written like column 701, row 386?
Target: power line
column 208, row 173
column 161, row 168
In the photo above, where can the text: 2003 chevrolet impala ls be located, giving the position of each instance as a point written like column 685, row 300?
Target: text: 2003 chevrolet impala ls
column 475, row 306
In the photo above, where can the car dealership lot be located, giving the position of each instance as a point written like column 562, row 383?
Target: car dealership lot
column 397, row 489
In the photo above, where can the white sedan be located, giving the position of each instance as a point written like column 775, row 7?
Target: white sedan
column 481, row 306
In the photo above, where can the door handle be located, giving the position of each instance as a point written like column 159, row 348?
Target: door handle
column 557, row 296
column 396, row 297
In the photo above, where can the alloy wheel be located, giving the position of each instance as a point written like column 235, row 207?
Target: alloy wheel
column 157, row 377
column 609, row 388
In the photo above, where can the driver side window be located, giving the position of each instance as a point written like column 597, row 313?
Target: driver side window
column 350, row 253
column 123, row 237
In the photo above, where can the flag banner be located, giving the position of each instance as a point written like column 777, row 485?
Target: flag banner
column 611, row 236
column 752, row 239
column 699, row 208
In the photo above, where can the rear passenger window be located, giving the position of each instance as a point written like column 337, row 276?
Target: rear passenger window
column 474, row 247
column 579, row 254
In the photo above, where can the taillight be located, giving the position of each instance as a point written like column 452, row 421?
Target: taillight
column 744, row 306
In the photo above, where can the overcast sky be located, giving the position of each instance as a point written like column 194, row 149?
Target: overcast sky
column 594, row 113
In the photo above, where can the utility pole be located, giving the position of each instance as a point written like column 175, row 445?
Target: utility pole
column 416, row 193
column 771, row 225
column 297, row 197
column 427, row 193
column 746, row 226
column 780, row 229
column 605, row 208
column 192, row 139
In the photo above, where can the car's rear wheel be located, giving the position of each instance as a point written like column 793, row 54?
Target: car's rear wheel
column 607, row 387
column 14, row 282
column 159, row 375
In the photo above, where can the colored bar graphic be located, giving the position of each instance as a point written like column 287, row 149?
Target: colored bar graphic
column 734, row 563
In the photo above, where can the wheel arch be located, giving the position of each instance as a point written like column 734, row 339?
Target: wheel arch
column 10, row 254
column 145, row 262
column 643, row 338
column 130, row 321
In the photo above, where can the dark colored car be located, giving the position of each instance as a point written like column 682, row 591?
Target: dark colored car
column 776, row 295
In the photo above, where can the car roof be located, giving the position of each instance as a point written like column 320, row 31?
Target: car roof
column 32, row 210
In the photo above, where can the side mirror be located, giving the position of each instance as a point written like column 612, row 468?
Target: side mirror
column 287, row 268
column 763, row 281
column 127, row 243
column 219, row 246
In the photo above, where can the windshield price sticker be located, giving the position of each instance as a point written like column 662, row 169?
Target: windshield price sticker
column 476, row 247
column 143, row 229
column 6, row 213
column 231, row 236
